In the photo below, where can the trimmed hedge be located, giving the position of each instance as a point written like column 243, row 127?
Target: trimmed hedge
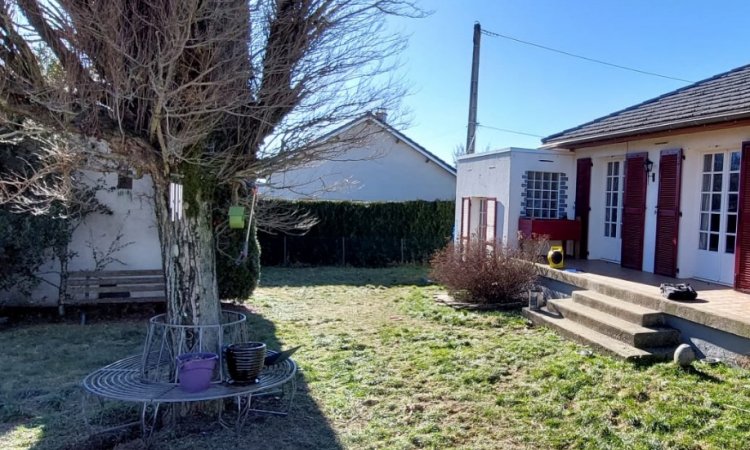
column 363, row 234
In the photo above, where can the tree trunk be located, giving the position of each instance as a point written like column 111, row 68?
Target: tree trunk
column 188, row 256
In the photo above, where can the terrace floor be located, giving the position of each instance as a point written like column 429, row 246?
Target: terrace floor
column 717, row 306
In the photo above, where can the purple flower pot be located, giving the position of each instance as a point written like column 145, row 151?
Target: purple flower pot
column 195, row 370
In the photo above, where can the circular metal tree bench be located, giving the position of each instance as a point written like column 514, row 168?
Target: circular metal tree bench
column 124, row 381
column 150, row 379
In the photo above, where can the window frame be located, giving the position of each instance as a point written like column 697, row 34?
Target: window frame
column 719, row 192
column 617, row 194
column 541, row 187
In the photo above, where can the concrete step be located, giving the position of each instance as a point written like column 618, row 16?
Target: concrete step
column 621, row 309
column 598, row 341
column 627, row 332
column 651, row 301
column 627, row 295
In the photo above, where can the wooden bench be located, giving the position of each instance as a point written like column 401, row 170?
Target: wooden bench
column 114, row 286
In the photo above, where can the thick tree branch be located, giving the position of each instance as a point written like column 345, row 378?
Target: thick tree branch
column 69, row 61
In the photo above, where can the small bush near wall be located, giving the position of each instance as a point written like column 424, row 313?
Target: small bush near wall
column 484, row 273
column 237, row 278
column 26, row 242
column 363, row 234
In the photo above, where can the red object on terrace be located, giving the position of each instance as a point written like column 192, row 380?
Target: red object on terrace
column 556, row 229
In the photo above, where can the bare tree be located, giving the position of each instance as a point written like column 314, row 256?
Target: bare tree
column 204, row 92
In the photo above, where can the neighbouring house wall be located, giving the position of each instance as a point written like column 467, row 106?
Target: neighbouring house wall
column 694, row 147
column 381, row 168
column 500, row 174
column 132, row 217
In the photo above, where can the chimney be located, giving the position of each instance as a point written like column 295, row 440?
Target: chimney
column 381, row 114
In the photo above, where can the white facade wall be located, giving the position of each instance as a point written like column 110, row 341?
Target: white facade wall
column 484, row 175
column 694, row 147
column 499, row 174
column 382, row 168
column 132, row 216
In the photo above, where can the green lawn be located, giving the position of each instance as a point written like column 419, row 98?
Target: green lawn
column 383, row 366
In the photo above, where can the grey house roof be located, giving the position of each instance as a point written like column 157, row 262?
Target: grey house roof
column 721, row 98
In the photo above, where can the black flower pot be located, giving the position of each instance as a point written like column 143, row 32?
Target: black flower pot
column 245, row 361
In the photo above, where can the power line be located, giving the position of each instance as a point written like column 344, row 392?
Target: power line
column 506, row 130
column 586, row 58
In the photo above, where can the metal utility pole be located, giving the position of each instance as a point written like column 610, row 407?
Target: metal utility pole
column 471, row 133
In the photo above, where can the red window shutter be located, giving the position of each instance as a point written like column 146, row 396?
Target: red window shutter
column 668, row 212
column 491, row 219
column 583, row 202
column 634, row 211
column 742, row 249
column 465, row 219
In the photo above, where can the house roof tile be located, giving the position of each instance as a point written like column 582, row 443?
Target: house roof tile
column 723, row 97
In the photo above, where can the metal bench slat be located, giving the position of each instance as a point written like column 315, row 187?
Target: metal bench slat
column 122, row 381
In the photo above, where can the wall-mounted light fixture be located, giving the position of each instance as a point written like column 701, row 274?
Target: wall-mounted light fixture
column 648, row 165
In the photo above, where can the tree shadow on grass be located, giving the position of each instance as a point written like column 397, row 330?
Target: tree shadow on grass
column 412, row 275
column 306, row 427
column 703, row 376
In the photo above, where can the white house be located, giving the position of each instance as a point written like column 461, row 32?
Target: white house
column 668, row 181
column 662, row 186
column 381, row 164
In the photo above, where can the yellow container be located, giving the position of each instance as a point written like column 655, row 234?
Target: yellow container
column 556, row 257
column 237, row 217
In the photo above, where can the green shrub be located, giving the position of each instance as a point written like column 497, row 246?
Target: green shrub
column 487, row 273
column 237, row 277
column 26, row 242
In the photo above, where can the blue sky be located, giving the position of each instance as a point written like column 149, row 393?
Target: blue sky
column 539, row 92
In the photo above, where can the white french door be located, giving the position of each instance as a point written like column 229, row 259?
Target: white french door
column 720, row 184
column 613, row 189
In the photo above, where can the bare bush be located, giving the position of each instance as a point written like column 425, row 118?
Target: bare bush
column 487, row 273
